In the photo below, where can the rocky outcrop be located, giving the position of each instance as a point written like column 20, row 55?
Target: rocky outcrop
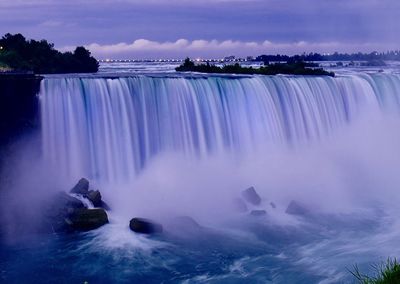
column 82, row 187
column 94, row 196
column 65, row 213
column 251, row 196
column 145, row 226
column 294, row 208
column 87, row 219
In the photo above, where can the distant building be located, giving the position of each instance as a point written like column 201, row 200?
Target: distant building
column 229, row 58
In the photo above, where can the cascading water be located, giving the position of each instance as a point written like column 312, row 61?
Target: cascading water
column 161, row 146
column 109, row 128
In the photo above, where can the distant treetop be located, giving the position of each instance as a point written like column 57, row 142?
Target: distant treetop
column 41, row 57
column 372, row 56
column 288, row 68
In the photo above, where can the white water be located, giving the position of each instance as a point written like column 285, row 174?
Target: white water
column 188, row 145
column 109, row 129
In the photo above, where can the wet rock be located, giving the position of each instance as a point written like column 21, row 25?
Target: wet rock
column 65, row 213
column 82, row 187
column 294, row 208
column 239, row 205
column 87, row 219
column 258, row 213
column 63, row 201
column 95, row 197
column 57, row 210
column 145, row 226
column 251, row 196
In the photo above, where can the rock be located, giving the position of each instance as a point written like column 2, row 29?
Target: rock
column 82, row 187
column 295, row 208
column 87, row 219
column 258, row 213
column 95, row 197
column 65, row 213
column 57, row 210
column 145, row 226
column 239, row 205
column 63, row 201
column 272, row 205
column 251, row 196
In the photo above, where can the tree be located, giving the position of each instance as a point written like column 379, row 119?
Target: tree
column 41, row 56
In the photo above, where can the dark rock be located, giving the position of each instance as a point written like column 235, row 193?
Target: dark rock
column 251, row 196
column 57, row 210
column 65, row 213
column 145, row 226
column 239, row 205
column 63, row 201
column 295, row 208
column 87, row 219
column 95, row 197
column 258, row 213
column 82, row 187
column 272, row 205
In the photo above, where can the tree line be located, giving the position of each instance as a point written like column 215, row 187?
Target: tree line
column 373, row 56
column 20, row 54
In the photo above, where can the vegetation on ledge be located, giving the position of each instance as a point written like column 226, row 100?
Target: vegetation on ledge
column 387, row 273
column 289, row 68
column 40, row 57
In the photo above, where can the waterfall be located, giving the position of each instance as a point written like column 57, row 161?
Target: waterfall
column 110, row 128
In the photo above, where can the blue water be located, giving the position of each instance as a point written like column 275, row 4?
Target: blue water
column 264, row 254
column 161, row 145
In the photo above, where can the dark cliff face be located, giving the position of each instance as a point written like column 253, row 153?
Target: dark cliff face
column 19, row 106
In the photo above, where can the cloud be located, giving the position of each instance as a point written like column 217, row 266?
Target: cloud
column 144, row 48
column 221, row 26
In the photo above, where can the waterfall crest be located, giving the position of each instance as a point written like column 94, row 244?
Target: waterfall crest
column 110, row 128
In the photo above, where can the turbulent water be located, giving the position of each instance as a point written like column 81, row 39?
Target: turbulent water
column 166, row 145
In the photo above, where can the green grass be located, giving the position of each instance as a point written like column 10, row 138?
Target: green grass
column 385, row 273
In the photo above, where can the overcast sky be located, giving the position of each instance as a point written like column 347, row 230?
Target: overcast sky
column 206, row 28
